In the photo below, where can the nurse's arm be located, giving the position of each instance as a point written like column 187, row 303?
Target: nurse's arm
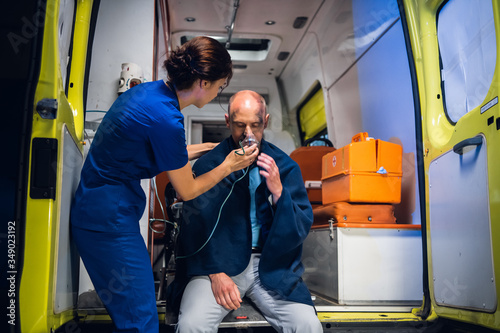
column 188, row 187
column 197, row 150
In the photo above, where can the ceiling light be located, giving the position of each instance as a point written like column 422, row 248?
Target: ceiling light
column 270, row 22
column 189, row 19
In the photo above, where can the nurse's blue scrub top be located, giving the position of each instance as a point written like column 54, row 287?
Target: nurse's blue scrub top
column 141, row 135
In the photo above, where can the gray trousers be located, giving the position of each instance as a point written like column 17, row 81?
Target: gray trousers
column 199, row 312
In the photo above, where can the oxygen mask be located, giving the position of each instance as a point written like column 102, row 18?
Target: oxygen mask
column 249, row 140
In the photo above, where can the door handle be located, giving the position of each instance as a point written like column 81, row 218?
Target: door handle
column 475, row 141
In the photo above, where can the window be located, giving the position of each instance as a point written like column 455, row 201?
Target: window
column 242, row 49
column 467, row 45
column 312, row 118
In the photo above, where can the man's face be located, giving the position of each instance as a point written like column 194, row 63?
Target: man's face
column 246, row 117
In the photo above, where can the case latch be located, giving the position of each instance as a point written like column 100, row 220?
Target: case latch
column 331, row 222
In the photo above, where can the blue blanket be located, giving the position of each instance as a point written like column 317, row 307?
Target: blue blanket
column 284, row 227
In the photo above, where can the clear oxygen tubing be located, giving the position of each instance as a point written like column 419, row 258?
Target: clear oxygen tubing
column 248, row 141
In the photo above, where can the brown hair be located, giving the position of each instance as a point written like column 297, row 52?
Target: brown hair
column 201, row 58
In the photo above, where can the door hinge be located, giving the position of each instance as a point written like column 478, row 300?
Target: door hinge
column 47, row 108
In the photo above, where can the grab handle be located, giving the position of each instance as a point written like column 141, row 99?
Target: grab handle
column 363, row 136
column 475, row 141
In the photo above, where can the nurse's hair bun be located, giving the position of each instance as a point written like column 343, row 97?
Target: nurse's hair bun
column 201, row 58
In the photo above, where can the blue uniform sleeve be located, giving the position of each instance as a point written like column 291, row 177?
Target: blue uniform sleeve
column 168, row 142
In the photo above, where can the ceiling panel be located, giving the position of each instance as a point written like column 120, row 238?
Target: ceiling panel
column 212, row 17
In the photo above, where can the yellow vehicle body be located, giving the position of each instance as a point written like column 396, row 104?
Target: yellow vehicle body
column 36, row 298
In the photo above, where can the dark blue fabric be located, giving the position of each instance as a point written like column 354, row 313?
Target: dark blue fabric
column 118, row 264
column 284, row 228
column 141, row 135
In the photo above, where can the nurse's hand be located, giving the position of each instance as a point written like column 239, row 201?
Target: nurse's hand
column 225, row 291
column 241, row 158
column 197, row 150
column 189, row 187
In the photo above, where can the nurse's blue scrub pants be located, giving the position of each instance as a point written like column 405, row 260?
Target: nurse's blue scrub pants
column 120, row 269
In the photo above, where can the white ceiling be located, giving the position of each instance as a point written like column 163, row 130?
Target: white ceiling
column 212, row 17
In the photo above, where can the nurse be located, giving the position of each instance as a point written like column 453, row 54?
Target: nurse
column 142, row 135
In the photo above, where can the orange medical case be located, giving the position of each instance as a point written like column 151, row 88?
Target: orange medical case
column 345, row 212
column 309, row 160
column 365, row 170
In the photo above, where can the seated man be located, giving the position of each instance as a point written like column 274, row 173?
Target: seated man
column 244, row 237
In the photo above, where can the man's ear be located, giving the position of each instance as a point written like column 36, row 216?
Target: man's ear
column 226, row 116
column 266, row 119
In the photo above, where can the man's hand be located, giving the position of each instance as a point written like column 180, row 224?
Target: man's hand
column 272, row 175
column 225, row 291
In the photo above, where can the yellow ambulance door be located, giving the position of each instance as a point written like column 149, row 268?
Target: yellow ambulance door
column 47, row 294
column 455, row 46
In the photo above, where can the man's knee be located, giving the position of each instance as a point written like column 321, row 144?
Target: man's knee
column 192, row 324
column 309, row 324
column 305, row 322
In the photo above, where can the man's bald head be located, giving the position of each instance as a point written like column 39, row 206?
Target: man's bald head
column 248, row 95
column 246, row 115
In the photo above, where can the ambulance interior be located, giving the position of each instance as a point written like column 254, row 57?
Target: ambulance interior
column 324, row 68
column 390, row 108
